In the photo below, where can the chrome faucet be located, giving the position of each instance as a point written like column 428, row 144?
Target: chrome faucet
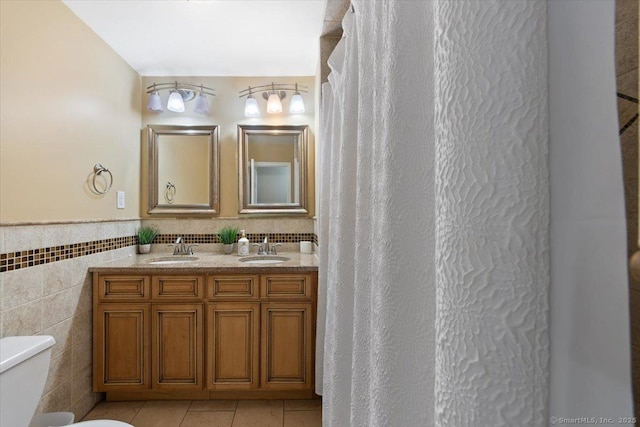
column 265, row 248
column 179, row 248
column 261, row 250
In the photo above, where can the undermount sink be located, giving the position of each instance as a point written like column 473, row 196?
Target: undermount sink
column 264, row 259
column 176, row 259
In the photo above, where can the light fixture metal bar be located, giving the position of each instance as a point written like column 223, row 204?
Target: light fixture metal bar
column 277, row 87
column 281, row 94
column 177, row 85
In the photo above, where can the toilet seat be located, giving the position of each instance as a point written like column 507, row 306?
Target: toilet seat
column 101, row 423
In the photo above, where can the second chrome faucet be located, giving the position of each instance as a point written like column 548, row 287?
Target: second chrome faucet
column 265, row 248
column 179, row 247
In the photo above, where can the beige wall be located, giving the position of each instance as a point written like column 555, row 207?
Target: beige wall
column 68, row 102
column 227, row 111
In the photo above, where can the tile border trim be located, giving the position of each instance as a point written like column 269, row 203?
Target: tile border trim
column 11, row 261
column 33, row 257
column 210, row 238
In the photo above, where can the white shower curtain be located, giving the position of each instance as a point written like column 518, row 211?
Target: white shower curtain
column 434, row 218
column 377, row 222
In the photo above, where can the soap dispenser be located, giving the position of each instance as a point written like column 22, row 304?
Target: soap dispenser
column 243, row 244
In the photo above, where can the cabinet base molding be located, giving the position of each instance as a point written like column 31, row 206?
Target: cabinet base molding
column 114, row 396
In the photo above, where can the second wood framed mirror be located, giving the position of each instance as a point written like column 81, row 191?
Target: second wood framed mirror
column 272, row 169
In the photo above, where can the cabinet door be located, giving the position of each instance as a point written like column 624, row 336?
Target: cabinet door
column 121, row 347
column 287, row 346
column 232, row 345
column 177, row 342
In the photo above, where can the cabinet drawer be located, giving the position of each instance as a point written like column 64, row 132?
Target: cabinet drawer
column 232, row 287
column 289, row 286
column 177, row 287
column 113, row 288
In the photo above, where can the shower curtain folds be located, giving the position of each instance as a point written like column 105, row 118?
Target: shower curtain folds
column 434, row 218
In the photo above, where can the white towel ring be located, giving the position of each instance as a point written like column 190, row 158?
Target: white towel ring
column 98, row 169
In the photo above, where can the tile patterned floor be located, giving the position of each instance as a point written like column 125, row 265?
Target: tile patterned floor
column 212, row 413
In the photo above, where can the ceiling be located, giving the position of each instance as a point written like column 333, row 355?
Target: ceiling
column 209, row 37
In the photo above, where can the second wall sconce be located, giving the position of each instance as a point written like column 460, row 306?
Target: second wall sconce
column 274, row 93
column 179, row 93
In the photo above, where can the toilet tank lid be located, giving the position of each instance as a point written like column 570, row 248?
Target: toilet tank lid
column 14, row 350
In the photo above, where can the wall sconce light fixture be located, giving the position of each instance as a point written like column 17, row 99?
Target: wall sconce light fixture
column 274, row 94
column 179, row 93
column 251, row 108
column 274, row 103
column 296, row 106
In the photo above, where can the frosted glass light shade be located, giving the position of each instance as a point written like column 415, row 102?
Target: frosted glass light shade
column 273, row 104
column 154, row 103
column 297, row 104
column 202, row 105
column 175, row 103
column 251, row 108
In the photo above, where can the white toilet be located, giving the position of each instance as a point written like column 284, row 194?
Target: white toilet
column 24, row 365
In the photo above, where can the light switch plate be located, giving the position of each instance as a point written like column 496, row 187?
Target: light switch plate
column 120, row 196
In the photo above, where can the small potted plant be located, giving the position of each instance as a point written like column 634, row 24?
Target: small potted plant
column 145, row 237
column 227, row 235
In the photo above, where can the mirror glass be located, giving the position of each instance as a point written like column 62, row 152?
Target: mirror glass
column 272, row 165
column 183, row 170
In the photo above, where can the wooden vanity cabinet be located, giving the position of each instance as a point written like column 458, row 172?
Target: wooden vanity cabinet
column 204, row 335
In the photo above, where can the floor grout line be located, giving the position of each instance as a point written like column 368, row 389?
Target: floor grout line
column 185, row 414
column 283, row 411
column 235, row 411
column 136, row 414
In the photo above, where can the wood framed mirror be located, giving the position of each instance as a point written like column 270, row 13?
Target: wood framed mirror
column 183, row 167
column 272, row 169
